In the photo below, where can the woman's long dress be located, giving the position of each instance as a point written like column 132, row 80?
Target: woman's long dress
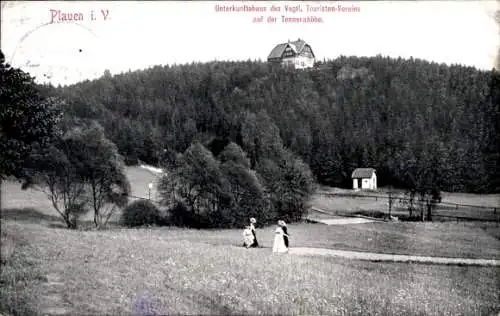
column 255, row 242
column 248, row 239
column 279, row 242
column 285, row 237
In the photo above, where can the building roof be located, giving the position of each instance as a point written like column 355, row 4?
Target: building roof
column 299, row 45
column 277, row 51
column 363, row 173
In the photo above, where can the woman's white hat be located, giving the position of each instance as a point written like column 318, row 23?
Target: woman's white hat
column 281, row 223
column 253, row 220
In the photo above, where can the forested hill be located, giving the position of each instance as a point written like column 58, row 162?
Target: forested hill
column 414, row 121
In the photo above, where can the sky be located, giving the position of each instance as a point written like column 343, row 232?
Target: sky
column 127, row 35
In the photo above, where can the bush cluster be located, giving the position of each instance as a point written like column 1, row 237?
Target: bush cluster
column 141, row 213
column 204, row 190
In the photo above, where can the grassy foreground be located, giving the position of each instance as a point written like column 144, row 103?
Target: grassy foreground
column 177, row 271
column 182, row 271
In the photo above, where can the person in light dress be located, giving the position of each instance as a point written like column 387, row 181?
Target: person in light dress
column 281, row 242
column 248, row 238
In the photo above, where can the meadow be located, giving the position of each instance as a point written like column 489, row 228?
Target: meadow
column 166, row 270
column 348, row 202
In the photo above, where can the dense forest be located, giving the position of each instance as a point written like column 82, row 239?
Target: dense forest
column 418, row 123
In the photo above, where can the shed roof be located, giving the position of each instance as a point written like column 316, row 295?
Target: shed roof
column 363, row 173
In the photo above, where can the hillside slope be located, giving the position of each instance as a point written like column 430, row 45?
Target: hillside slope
column 399, row 116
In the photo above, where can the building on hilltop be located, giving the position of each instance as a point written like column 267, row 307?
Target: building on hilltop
column 364, row 179
column 298, row 54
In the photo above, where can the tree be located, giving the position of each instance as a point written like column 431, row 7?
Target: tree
column 247, row 195
column 260, row 136
column 289, row 183
column 424, row 177
column 233, row 153
column 27, row 121
column 103, row 171
column 201, row 190
column 58, row 175
column 83, row 171
column 349, row 112
column 245, row 188
column 107, row 74
column 391, row 198
column 197, row 183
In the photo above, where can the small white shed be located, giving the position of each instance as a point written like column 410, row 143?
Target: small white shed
column 364, row 179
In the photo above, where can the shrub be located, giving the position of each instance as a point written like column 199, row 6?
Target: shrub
column 141, row 212
column 181, row 216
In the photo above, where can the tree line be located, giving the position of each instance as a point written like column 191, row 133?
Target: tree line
column 243, row 137
column 210, row 184
column 418, row 123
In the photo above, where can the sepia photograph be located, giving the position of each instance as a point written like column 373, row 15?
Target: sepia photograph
column 250, row 158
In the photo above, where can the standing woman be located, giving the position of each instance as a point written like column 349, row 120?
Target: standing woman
column 279, row 238
column 285, row 234
column 248, row 238
column 253, row 221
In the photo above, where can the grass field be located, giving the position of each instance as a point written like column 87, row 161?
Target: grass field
column 35, row 201
column 350, row 202
column 193, row 272
column 183, row 271
column 489, row 200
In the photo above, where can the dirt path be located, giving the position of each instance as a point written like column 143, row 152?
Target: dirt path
column 331, row 219
column 52, row 301
column 370, row 256
column 344, row 221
